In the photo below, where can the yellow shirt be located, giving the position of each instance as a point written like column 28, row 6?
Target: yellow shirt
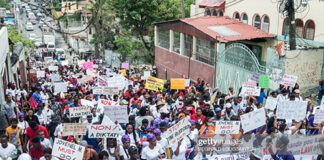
column 11, row 133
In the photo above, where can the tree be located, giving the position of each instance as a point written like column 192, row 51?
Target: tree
column 15, row 37
column 124, row 45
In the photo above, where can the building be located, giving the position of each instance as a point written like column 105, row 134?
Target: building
column 18, row 65
column 5, row 69
column 71, row 7
column 191, row 47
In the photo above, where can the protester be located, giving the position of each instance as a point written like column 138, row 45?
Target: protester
column 7, row 150
column 15, row 135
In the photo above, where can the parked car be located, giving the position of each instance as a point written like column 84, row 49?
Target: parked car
column 61, row 53
column 33, row 21
column 32, row 36
column 51, row 47
column 29, row 26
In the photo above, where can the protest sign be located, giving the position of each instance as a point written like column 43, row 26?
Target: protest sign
column 65, row 63
column 154, row 84
column 251, row 90
column 67, row 150
column 40, row 74
column 250, row 83
column 79, row 111
column 95, row 66
column 319, row 116
column 291, row 110
column 147, row 74
column 55, row 77
column 102, row 82
column 178, row 131
column 271, row 103
column 87, row 65
column 110, row 90
column 255, row 76
column 177, row 83
column 53, row 68
column 122, row 71
column 74, row 129
column 91, row 72
column 253, row 120
column 125, row 65
column 117, row 81
column 264, row 81
column 117, row 113
column 80, row 62
column 103, row 131
column 227, row 127
column 289, row 80
column 275, row 77
column 84, row 79
column 187, row 82
column 97, row 90
column 86, row 103
column 60, row 87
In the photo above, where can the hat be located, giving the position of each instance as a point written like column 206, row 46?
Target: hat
column 164, row 110
column 149, row 127
column 192, row 122
column 228, row 105
column 157, row 131
column 160, row 103
column 181, row 116
column 132, row 149
column 150, row 137
column 125, row 138
column 230, row 87
column 218, row 109
column 21, row 114
column 123, row 102
column 163, row 124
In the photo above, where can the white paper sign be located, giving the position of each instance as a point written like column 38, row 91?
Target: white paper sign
column 53, row 68
column 289, row 80
column 253, row 120
column 103, row 131
column 187, row 82
column 117, row 113
column 271, row 103
column 40, row 74
column 97, row 90
column 118, row 81
column 80, row 111
column 146, row 74
column 55, row 78
column 60, row 87
column 74, row 129
column 319, row 116
column 251, row 90
column 65, row 63
column 103, row 102
column 86, row 103
column 67, row 150
column 291, row 110
column 227, row 127
column 178, row 131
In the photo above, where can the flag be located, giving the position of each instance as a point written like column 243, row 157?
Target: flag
column 32, row 103
column 281, row 49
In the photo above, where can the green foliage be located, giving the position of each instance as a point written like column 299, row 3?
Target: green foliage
column 124, row 45
column 15, row 37
column 4, row 4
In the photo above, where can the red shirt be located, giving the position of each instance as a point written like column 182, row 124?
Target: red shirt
column 32, row 133
column 36, row 153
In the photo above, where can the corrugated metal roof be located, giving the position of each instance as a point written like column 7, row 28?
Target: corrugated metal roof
column 225, row 28
column 211, row 3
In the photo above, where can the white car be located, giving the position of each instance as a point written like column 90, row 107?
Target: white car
column 29, row 26
column 32, row 36
column 51, row 47
column 61, row 53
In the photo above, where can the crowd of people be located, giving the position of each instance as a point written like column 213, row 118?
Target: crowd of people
column 29, row 133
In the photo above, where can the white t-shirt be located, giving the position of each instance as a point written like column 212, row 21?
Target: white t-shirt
column 132, row 138
column 23, row 126
column 10, row 92
column 6, row 152
column 53, row 158
column 46, row 142
column 182, row 151
column 40, row 118
column 45, row 97
column 163, row 143
column 18, row 93
column 112, row 150
column 150, row 154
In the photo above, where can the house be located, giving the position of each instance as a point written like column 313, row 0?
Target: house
column 5, row 70
column 190, row 47
column 71, row 7
column 18, row 65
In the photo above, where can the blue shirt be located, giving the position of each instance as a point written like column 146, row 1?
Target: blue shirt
column 284, row 156
column 320, row 95
column 311, row 123
column 91, row 141
column 261, row 97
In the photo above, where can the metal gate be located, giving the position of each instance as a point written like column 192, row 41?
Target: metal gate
column 236, row 64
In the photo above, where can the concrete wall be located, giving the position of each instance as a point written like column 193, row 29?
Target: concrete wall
column 172, row 65
column 4, row 51
column 307, row 65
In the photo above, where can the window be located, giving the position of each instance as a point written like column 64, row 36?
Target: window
column 176, row 42
column 265, row 23
column 236, row 16
column 220, row 13
column 205, row 51
column 164, row 38
column 207, row 12
column 256, row 21
column 214, row 13
column 244, row 18
column 299, row 28
column 309, row 30
column 285, row 27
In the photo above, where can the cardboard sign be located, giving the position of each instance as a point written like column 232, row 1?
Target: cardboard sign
column 117, row 113
column 110, row 90
column 55, row 77
column 86, row 103
column 40, row 74
column 53, row 68
column 319, row 116
column 80, row 111
column 289, row 80
column 178, row 131
column 264, row 81
column 123, row 71
column 251, row 90
column 154, row 84
column 187, row 82
column 87, row 65
column 125, row 65
column 74, row 129
column 255, row 76
column 60, row 87
column 271, row 103
column 146, row 74
column 177, row 83
column 103, row 131
column 67, row 150
column 227, row 127
column 291, row 110
column 253, row 120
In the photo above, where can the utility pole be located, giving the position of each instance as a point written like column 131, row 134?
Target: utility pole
column 182, row 9
column 292, row 24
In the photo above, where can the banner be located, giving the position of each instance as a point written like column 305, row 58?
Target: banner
column 154, row 84
column 289, row 80
column 177, row 83
column 103, row 131
column 264, row 81
column 178, row 131
column 251, row 90
column 291, row 110
column 60, row 87
column 86, row 103
column 227, row 127
column 103, row 102
column 67, row 150
column 253, row 120
column 125, row 65
column 87, row 65
column 53, row 68
column 79, row 111
column 97, row 90
column 117, row 113
column 110, row 90
column 271, row 103
column 102, row 82
column 40, row 74
column 74, row 129
column 319, row 116
column 55, row 77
